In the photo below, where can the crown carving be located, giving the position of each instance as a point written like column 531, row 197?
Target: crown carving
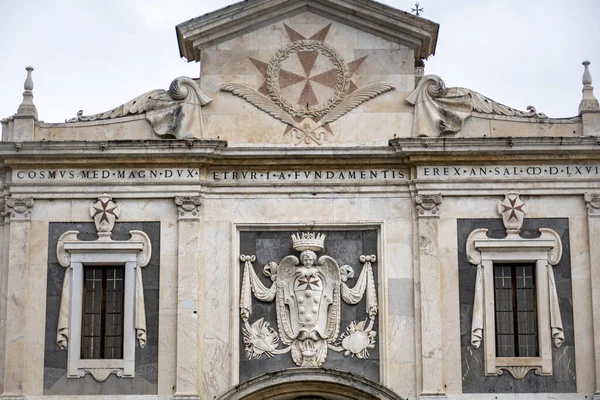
column 308, row 241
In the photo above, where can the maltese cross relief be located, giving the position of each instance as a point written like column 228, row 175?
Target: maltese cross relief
column 307, row 85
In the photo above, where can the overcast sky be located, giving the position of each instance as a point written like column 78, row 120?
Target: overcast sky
column 96, row 55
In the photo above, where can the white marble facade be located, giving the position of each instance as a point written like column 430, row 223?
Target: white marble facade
column 308, row 117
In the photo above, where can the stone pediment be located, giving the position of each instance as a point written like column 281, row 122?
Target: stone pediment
column 236, row 20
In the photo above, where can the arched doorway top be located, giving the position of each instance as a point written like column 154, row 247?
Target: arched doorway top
column 307, row 383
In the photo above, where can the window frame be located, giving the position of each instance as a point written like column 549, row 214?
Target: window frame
column 545, row 252
column 73, row 253
column 78, row 366
column 104, row 313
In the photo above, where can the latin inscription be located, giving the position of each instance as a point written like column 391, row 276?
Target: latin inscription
column 518, row 171
column 449, row 173
column 125, row 174
column 308, row 176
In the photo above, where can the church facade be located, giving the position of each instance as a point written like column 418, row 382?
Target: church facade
column 314, row 217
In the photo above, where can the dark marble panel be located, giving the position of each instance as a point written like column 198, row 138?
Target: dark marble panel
column 563, row 379
column 146, row 359
column 345, row 247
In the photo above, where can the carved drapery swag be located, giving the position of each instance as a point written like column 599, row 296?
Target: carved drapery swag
column 175, row 112
column 440, row 110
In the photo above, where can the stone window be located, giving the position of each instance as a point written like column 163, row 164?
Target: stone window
column 102, row 309
column 515, row 309
column 103, row 303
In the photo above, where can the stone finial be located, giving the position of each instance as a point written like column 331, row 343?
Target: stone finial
column 513, row 211
column 27, row 108
column 589, row 103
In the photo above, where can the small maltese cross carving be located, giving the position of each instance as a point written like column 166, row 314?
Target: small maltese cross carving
column 105, row 213
column 513, row 211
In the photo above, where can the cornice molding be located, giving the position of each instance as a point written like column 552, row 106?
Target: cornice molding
column 238, row 19
column 412, row 151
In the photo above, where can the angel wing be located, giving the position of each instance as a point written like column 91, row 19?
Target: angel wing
column 330, row 269
column 332, row 277
column 355, row 99
column 259, row 101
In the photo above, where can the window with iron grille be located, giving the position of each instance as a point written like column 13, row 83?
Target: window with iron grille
column 103, row 303
column 515, row 309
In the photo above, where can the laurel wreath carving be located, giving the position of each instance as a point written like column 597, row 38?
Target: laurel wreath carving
column 274, row 68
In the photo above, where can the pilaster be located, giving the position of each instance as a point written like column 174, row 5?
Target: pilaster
column 18, row 214
column 427, row 207
column 188, row 264
column 592, row 203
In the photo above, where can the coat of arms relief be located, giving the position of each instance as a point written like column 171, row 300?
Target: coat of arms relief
column 308, row 292
column 307, row 85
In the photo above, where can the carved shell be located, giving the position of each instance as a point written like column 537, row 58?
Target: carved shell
column 518, row 372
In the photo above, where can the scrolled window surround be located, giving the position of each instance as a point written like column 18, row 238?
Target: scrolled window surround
column 73, row 254
column 545, row 252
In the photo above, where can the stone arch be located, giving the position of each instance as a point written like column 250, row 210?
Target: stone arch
column 310, row 384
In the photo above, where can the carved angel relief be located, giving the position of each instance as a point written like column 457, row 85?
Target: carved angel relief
column 327, row 90
column 308, row 294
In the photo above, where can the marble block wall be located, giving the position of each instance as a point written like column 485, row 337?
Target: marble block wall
column 563, row 379
column 345, row 247
column 146, row 359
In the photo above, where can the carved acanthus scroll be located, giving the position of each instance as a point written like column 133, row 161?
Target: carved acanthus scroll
column 440, row 110
column 173, row 113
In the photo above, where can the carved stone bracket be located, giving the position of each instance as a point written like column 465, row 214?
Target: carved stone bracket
column 18, row 209
column 101, row 374
column 188, row 206
column 592, row 203
column 428, row 205
column 518, row 372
